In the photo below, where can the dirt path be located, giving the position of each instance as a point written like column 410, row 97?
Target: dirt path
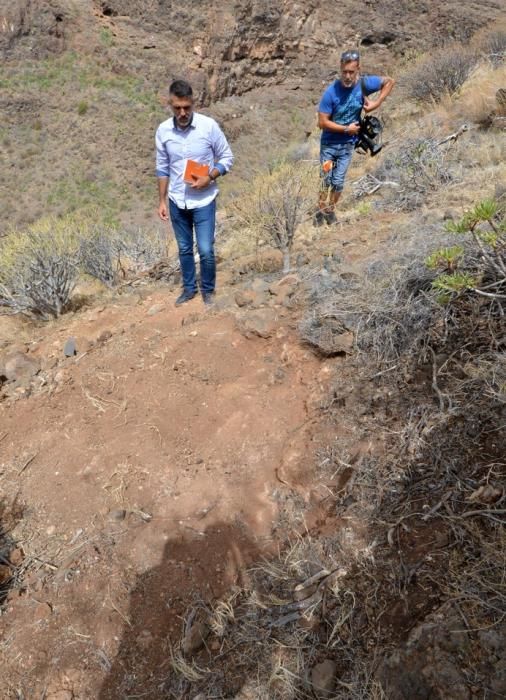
column 147, row 470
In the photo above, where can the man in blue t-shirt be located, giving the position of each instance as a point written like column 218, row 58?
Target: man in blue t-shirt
column 338, row 118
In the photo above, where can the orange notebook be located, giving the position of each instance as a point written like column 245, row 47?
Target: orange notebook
column 193, row 170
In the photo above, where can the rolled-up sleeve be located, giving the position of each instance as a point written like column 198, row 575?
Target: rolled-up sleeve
column 162, row 157
column 223, row 156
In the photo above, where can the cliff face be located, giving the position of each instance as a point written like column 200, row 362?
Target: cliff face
column 230, row 47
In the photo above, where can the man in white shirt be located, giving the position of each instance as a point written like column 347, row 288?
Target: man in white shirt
column 189, row 135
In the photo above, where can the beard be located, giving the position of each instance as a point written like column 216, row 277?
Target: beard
column 183, row 122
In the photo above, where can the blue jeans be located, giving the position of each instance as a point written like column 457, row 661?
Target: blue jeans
column 340, row 154
column 203, row 221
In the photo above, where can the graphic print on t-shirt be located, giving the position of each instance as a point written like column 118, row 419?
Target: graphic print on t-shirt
column 348, row 107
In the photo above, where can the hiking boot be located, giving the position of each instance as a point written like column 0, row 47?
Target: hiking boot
column 330, row 218
column 184, row 297
column 318, row 218
column 208, row 298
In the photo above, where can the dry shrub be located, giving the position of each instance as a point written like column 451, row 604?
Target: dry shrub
column 477, row 102
column 491, row 43
column 99, row 254
column 274, row 205
column 39, row 267
column 439, row 74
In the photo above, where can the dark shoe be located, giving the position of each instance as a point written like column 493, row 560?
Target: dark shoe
column 184, row 297
column 318, row 218
column 330, row 218
column 208, row 298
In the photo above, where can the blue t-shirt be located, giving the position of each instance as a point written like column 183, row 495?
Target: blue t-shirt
column 344, row 106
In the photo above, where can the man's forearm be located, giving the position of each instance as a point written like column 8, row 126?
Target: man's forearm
column 163, row 187
column 386, row 89
column 325, row 123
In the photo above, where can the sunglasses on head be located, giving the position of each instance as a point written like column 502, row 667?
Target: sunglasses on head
column 350, row 56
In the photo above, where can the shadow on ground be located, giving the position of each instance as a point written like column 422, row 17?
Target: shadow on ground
column 194, row 571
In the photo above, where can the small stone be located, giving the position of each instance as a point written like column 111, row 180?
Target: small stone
column 50, row 530
column 145, row 639
column 259, row 285
column 5, row 573
column 250, row 297
column 261, row 323
column 243, row 297
column 117, row 515
column 16, row 557
column 323, row 678
column 104, row 336
column 195, row 638
column 60, row 376
column 70, row 349
column 155, row 309
column 43, row 611
column 343, row 342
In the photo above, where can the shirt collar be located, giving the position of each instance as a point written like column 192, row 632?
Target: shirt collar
column 191, row 125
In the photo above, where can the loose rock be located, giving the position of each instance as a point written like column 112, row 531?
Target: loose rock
column 323, row 678
column 70, row 349
column 195, row 638
column 155, row 309
column 20, row 368
column 261, row 323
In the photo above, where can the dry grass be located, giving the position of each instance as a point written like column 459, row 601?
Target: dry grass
column 477, row 102
column 336, row 597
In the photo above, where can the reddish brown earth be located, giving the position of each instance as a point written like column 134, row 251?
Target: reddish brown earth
column 149, row 469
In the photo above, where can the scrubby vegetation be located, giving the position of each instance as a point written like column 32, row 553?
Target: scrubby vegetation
column 414, row 547
column 439, row 74
column 273, row 205
column 41, row 265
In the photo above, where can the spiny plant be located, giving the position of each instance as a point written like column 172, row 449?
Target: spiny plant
column 39, row 267
column 481, row 265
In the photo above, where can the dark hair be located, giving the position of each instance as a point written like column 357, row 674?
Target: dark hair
column 181, row 88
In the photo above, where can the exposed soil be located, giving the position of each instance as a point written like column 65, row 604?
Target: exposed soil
column 150, row 468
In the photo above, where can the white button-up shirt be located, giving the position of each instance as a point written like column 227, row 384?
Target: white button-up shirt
column 203, row 142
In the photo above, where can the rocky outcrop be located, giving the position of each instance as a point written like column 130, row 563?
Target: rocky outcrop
column 33, row 28
column 229, row 48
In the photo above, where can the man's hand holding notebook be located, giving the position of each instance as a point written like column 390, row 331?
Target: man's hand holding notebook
column 193, row 172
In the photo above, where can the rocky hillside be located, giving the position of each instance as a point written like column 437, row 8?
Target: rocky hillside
column 233, row 47
column 83, row 84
